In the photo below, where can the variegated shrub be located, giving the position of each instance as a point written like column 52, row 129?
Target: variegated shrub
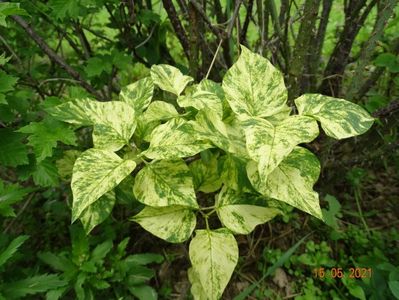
column 231, row 149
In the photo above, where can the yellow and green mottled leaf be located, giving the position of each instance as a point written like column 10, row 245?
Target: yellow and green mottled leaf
column 206, row 176
column 197, row 290
column 160, row 110
column 95, row 173
column 139, row 94
column 339, row 118
column 169, row 78
column 165, row 183
column 254, row 87
column 97, row 212
column 176, row 138
column 234, row 174
column 228, row 137
column 292, row 181
column 114, row 121
column 174, row 224
column 213, row 255
column 269, row 144
column 202, row 98
column 238, row 216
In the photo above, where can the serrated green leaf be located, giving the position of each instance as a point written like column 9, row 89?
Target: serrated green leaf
column 4, row 59
column 165, row 183
column 10, row 194
column 169, row 78
column 238, row 216
column 95, row 173
column 213, row 255
column 206, row 176
column 97, row 212
column 9, row 9
column 97, row 65
column 62, row 9
column 339, row 118
column 114, row 122
column 139, row 94
column 197, row 290
column 174, row 224
column 7, row 82
column 174, row 139
column 160, row 110
column 12, row 151
column 292, row 181
column 254, row 87
column 202, row 98
column 269, row 144
column 45, row 174
column 7, row 253
column 44, row 136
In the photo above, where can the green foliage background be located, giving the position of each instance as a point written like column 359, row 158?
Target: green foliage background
column 55, row 51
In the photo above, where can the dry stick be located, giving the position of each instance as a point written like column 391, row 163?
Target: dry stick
column 243, row 36
column 55, row 57
column 228, row 34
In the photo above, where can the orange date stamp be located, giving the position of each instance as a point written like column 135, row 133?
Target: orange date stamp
column 352, row 273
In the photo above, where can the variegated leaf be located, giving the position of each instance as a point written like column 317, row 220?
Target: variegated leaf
column 339, row 118
column 139, row 94
column 174, row 224
column 114, row 121
column 160, row 110
column 202, row 98
column 237, row 215
column 234, row 174
column 228, row 137
column 292, row 181
column 95, row 173
column 97, row 212
column 254, row 87
column 269, row 144
column 176, row 138
column 169, row 78
column 197, row 290
column 213, row 255
column 165, row 183
column 206, row 176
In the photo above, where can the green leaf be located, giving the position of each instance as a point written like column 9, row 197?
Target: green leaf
column 292, row 181
column 33, row 285
column 202, row 98
column 139, row 94
column 145, row 258
column 159, row 110
column 213, row 255
column 144, row 292
column 7, row 253
column 197, row 290
column 65, row 164
column 237, row 215
column 62, row 9
column 9, row 9
column 174, row 139
column 4, row 59
column 165, row 183
column 114, row 122
column 10, row 194
column 45, row 174
column 95, row 173
column 174, row 224
column 97, row 212
column 44, row 136
column 206, row 176
column 339, row 118
column 7, row 82
column 389, row 61
column 253, row 87
column 12, row 151
column 269, row 144
column 97, row 65
column 169, row 78
column 394, row 287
